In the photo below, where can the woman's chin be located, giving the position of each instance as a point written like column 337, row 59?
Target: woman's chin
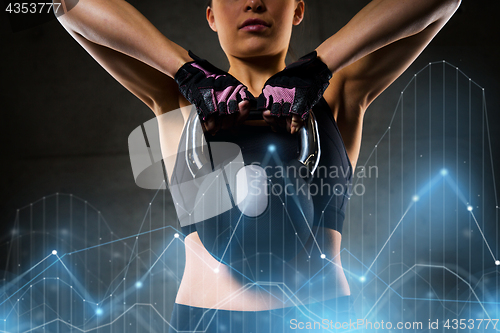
column 254, row 47
column 256, row 51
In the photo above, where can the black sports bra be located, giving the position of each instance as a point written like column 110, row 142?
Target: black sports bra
column 330, row 187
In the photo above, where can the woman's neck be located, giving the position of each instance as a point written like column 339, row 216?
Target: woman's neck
column 254, row 72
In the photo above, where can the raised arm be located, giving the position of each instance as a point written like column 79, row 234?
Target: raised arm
column 383, row 22
column 129, row 47
column 372, row 50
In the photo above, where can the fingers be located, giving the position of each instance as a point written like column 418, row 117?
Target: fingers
column 241, row 116
column 295, row 123
column 235, row 119
column 211, row 124
column 216, row 122
column 292, row 123
column 271, row 120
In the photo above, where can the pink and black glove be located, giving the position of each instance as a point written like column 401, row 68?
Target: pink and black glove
column 210, row 89
column 297, row 88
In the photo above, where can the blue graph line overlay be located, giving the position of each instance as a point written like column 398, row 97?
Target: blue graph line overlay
column 45, row 273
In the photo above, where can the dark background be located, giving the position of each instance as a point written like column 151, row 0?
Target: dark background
column 65, row 122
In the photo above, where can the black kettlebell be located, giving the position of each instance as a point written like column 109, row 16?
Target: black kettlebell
column 248, row 216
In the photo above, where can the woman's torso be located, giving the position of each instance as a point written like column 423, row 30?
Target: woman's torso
column 207, row 283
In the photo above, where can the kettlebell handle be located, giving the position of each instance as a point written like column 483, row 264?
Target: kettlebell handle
column 197, row 148
column 310, row 149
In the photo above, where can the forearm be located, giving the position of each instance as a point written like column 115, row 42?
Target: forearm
column 118, row 25
column 380, row 23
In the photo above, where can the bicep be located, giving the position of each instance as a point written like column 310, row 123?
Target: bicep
column 354, row 87
column 156, row 89
column 368, row 77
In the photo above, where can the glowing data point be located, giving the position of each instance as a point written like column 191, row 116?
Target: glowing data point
column 416, row 198
column 98, row 312
column 469, row 208
column 54, row 252
column 362, row 279
column 497, row 262
column 176, row 235
column 444, row 172
column 216, row 270
column 271, row 148
column 138, row 284
column 323, row 256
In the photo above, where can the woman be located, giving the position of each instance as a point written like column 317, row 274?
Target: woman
column 365, row 57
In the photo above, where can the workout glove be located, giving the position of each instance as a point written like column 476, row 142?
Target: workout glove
column 210, row 89
column 297, row 88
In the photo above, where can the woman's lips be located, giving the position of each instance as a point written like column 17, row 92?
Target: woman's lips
column 254, row 25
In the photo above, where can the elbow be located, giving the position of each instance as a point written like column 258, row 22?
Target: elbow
column 450, row 7
column 63, row 8
column 442, row 11
column 65, row 15
column 454, row 4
